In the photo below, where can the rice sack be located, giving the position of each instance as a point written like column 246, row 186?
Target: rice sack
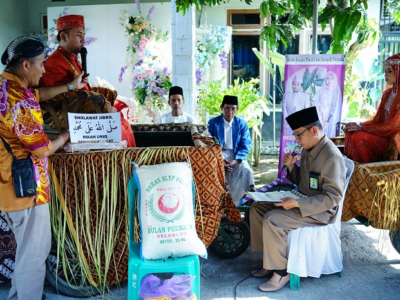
column 166, row 212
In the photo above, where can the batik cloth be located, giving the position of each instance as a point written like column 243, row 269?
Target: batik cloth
column 239, row 179
column 21, row 125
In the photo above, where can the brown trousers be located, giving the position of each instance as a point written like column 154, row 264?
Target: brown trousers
column 269, row 227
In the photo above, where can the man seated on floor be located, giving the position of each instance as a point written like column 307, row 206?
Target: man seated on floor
column 234, row 137
column 177, row 115
column 62, row 66
column 321, row 177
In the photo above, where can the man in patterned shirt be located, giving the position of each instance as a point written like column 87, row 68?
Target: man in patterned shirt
column 21, row 126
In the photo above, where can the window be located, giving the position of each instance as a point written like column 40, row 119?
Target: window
column 245, row 19
column 245, row 64
column 246, row 25
column 324, row 42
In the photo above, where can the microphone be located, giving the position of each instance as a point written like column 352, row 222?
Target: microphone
column 296, row 150
column 83, row 57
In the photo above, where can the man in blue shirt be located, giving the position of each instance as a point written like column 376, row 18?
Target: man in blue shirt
column 234, row 137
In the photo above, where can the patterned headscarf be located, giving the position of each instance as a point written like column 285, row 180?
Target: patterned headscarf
column 394, row 62
column 24, row 46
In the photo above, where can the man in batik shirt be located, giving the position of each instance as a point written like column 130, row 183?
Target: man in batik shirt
column 21, row 126
column 62, row 66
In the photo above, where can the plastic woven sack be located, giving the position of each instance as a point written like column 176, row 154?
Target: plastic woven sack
column 166, row 211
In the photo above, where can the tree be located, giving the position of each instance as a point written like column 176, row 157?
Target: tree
column 291, row 16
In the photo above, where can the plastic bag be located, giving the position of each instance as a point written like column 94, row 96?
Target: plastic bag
column 179, row 287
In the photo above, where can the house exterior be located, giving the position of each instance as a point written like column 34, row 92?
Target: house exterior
column 246, row 25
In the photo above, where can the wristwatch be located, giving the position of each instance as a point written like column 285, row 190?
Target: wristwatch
column 70, row 87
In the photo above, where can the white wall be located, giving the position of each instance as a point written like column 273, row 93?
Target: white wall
column 108, row 53
column 36, row 7
column 217, row 15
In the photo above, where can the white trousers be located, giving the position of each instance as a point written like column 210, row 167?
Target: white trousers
column 32, row 231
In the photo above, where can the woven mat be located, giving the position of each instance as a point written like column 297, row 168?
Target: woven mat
column 210, row 184
column 360, row 199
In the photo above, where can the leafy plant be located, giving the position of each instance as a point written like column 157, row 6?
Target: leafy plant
column 361, row 97
column 251, row 101
column 393, row 6
column 289, row 17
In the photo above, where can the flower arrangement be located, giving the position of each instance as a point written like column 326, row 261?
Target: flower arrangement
column 140, row 32
column 209, row 48
column 151, row 84
column 151, row 80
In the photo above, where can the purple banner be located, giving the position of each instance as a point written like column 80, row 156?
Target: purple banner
column 312, row 80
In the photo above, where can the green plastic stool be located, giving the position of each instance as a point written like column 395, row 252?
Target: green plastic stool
column 295, row 281
column 139, row 268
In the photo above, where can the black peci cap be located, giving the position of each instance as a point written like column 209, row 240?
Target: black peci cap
column 302, row 117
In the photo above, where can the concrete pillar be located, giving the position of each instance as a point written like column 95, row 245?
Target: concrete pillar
column 183, row 35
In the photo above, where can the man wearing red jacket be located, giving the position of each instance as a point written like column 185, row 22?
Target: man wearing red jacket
column 62, row 66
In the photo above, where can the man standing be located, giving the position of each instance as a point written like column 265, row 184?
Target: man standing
column 177, row 115
column 321, row 177
column 294, row 101
column 234, row 137
column 21, row 128
column 62, row 66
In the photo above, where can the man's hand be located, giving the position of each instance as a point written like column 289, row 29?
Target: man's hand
column 351, row 126
column 289, row 160
column 288, row 203
column 229, row 165
column 111, row 109
column 79, row 82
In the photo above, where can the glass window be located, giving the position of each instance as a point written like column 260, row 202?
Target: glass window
column 245, row 63
column 323, row 43
column 245, row 19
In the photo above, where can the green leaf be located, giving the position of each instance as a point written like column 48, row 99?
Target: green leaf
column 278, row 60
column 264, row 9
column 264, row 61
column 375, row 68
column 360, row 68
column 323, row 26
column 375, row 94
column 307, row 81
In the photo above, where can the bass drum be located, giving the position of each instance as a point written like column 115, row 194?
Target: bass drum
column 395, row 239
column 65, row 277
column 232, row 240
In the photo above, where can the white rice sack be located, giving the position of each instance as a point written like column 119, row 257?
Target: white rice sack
column 166, row 211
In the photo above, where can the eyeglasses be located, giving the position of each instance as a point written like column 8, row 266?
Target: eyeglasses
column 229, row 109
column 298, row 136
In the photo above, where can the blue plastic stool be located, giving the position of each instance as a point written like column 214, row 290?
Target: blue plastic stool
column 139, row 268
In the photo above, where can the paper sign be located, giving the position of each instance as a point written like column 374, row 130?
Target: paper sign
column 94, row 127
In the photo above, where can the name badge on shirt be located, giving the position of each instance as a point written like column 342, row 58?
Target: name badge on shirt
column 314, row 180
